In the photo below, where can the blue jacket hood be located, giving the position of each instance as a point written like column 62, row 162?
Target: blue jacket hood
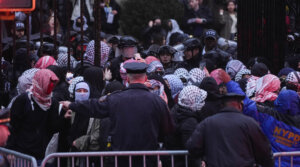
column 288, row 102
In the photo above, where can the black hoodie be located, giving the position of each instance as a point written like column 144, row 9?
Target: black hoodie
column 212, row 103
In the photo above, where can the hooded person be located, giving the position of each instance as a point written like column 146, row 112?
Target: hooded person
column 150, row 59
column 284, row 72
column 73, row 82
column 175, row 85
column 244, row 73
column 293, row 81
column 185, row 114
column 45, row 62
column 233, row 67
column 173, row 27
column 84, row 132
column 196, row 76
column 94, row 76
column 60, row 92
column 90, row 53
column 267, row 89
column 213, row 102
column 62, row 60
column 24, row 83
column 214, row 74
column 167, row 90
column 183, row 74
column 157, row 88
column 34, row 116
column 77, row 24
column 25, row 80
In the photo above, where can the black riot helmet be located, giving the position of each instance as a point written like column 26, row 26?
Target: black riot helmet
column 166, row 50
column 191, row 44
column 127, row 41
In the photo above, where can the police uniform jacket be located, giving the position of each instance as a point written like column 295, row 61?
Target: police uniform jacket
column 138, row 117
column 230, row 138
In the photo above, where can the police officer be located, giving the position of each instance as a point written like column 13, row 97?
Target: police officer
column 138, row 117
column 230, row 138
column 128, row 48
column 212, row 52
column 192, row 54
column 165, row 55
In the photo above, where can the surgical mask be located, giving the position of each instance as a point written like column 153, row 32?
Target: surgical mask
column 79, row 96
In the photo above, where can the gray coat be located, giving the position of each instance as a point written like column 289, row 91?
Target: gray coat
column 227, row 22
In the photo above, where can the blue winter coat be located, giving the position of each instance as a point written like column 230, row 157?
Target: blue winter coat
column 280, row 124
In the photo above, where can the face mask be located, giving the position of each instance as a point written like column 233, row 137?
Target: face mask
column 81, row 96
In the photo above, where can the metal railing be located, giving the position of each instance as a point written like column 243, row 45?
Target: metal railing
column 16, row 159
column 144, row 155
column 286, row 154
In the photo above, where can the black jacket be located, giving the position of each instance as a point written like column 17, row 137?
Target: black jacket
column 194, row 28
column 170, row 67
column 115, row 68
column 186, row 122
column 110, row 28
column 231, row 139
column 31, row 130
column 136, row 116
column 191, row 63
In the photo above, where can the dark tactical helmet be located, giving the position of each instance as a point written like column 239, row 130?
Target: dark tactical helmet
column 191, row 44
column 166, row 50
column 127, row 41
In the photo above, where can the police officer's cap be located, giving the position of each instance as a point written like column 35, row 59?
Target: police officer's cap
column 211, row 34
column 191, row 44
column 135, row 68
column 233, row 97
column 166, row 50
column 127, row 41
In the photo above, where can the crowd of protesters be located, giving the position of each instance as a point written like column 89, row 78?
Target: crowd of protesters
column 176, row 89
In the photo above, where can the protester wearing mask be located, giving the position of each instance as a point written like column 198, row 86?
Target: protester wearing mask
column 84, row 132
column 94, row 76
column 34, row 116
